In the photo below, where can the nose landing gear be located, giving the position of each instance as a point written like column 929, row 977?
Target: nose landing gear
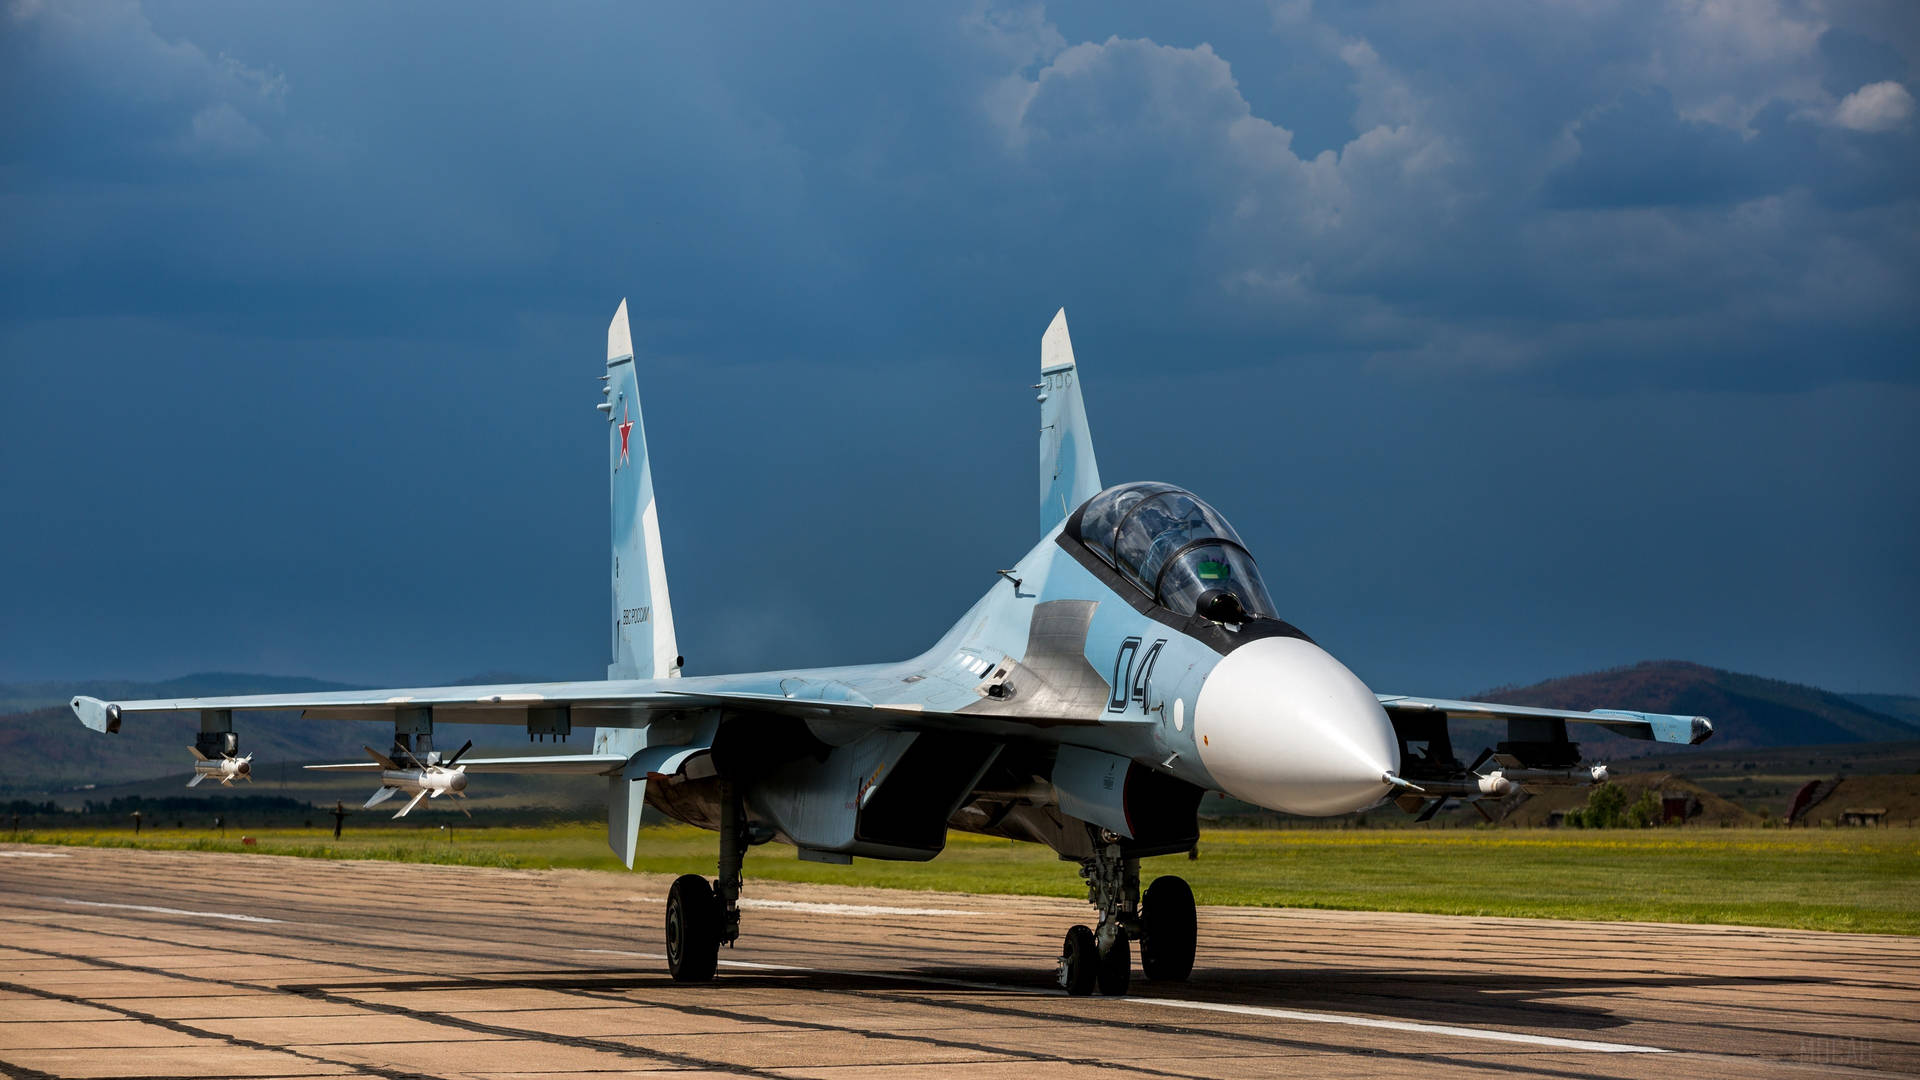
column 1165, row 925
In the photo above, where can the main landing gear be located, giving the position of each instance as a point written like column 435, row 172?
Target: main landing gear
column 701, row 916
column 1164, row 924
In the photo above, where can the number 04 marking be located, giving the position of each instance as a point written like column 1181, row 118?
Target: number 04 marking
column 1133, row 674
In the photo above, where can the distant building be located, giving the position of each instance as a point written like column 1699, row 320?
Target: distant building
column 1678, row 807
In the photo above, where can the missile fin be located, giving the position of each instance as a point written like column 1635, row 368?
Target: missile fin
column 457, row 755
column 380, row 796
column 197, row 777
column 407, row 808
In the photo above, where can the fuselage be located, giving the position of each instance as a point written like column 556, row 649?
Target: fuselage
column 1253, row 708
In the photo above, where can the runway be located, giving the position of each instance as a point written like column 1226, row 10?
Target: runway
column 119, row 963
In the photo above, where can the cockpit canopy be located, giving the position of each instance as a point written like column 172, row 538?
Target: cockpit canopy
column 1172, row 546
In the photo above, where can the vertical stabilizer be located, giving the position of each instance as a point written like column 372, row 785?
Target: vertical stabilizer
column 1068, row 474
column 643, row 642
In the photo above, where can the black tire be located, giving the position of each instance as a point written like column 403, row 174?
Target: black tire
column 1116, row 969
column 693, row 929
column 1079, row 958
column 1169, row 930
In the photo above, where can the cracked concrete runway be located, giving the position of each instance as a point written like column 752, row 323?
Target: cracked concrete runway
column 121, row 963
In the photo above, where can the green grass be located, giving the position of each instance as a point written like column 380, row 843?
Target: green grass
column 1861, row 880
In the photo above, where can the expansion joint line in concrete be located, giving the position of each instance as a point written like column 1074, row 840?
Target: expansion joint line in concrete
column 183, row 1028
column 432, row 1018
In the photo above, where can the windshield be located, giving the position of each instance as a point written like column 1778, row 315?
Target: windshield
column 1202, row 569
column 1173, row 546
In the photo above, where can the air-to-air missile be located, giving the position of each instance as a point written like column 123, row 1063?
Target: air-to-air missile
column 422, row 779
column 226, row 768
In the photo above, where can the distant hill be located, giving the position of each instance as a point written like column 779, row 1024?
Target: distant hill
column 21, row 697
column 1746, row 710
column 1899, row 706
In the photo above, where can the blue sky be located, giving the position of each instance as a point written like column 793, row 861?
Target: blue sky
column 1518, row 339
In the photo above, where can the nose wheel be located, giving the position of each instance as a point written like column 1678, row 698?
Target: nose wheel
column 1079, row 959
column 1085, row 966
column 1164, row 924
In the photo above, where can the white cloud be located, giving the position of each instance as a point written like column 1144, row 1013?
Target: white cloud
column 1880, row 106
column 1725, row 60
column 1018, row 38
column 163, row 94
column 1286, row 239
column 1367, row 247
column 1385, row 99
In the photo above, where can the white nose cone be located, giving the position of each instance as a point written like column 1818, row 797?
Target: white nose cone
column 1282, row 724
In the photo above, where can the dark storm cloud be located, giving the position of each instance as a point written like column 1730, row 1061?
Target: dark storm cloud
column 359, row 257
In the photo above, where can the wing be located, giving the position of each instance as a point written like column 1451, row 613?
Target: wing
column 561, row 764
column 606, row 704
column 1659, row 727
column 616, row 703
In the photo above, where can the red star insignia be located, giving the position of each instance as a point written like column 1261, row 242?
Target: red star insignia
column 626, row 428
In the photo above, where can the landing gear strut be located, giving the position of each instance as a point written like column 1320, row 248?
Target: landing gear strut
column 1164, row 926
column 701, row 916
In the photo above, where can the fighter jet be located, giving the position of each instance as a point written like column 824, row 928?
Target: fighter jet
column 1129, row 663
